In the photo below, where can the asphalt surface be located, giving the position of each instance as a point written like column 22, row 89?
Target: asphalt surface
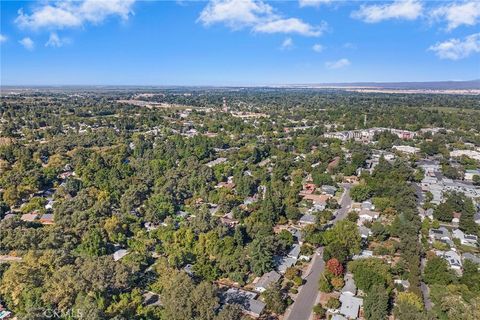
column 305, row 301
column 345, row 204
column 303, row 305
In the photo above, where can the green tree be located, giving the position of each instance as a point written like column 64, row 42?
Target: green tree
column 375, row 304
column 360, row 192
column 93, row 243
column 274, row 299
column 370, row 272
column 437, row 272
column 346, row 234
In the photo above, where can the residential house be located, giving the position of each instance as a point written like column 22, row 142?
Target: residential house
column 364, row 232
column 330, row 190
column 66, row 174
column 245, row 300
column 367, row 205
column 283, row 263
column 294, row 251
column 350, row 179
column 465, row 239
column 307, row 219
column 231, row 223
column 267, row 280
column 426, row 213
column 216, row 162
column 471, row 257
column 29, row 217
column 349, row 286
column 119, row 254
column 308, row 188
column 229, row 184
column 49, row 205
column 47, row 218
column 9, row 216
column 367, row 215
column 317, row 198
column 456, row 217
column 351, row 305
column 476, row 218
column 365, row 254
column 151, row 299
column 441, row 234
column 452, row 258
column 318, row 206
column 469, row 174
column 297, row 233
column 406, row 149
column 404, row 283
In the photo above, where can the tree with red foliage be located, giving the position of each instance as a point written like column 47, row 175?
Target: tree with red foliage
column 334, row 267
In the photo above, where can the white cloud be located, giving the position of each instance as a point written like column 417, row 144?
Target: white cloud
column 457, row 14
column 342, row 63
column 3, row 38
column 399, row 9
column 455, row 49
column 27, row 43
column 255, row 14
column 317, row 47
column 55, row 41
column 236, row 13
column 291, row 25
column 69, row 14
column 313, row 3
column 349, row 45
column 287, row 44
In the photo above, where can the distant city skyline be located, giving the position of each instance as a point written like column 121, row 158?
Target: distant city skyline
column 237, row 42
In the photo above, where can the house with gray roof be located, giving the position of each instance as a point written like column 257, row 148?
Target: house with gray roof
column 364, row 231
column 365, row 254
column 294, row 252
column 331, row 190
column 350, row 305
column 441, row 234
column 245, row 300
column 471, row 257
column 119, row 254
column 267, row 280
column 465, row 239
column 307, row 219
column 283, row 263
column 297, row 233
column 349, row 286
column 452, row 258
column 476, row 218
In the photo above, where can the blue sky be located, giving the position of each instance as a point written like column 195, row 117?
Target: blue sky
column 237, row 42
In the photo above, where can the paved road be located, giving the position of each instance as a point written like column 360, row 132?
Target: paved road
column 305, row 301
column 345, row 204
column 303, row 305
